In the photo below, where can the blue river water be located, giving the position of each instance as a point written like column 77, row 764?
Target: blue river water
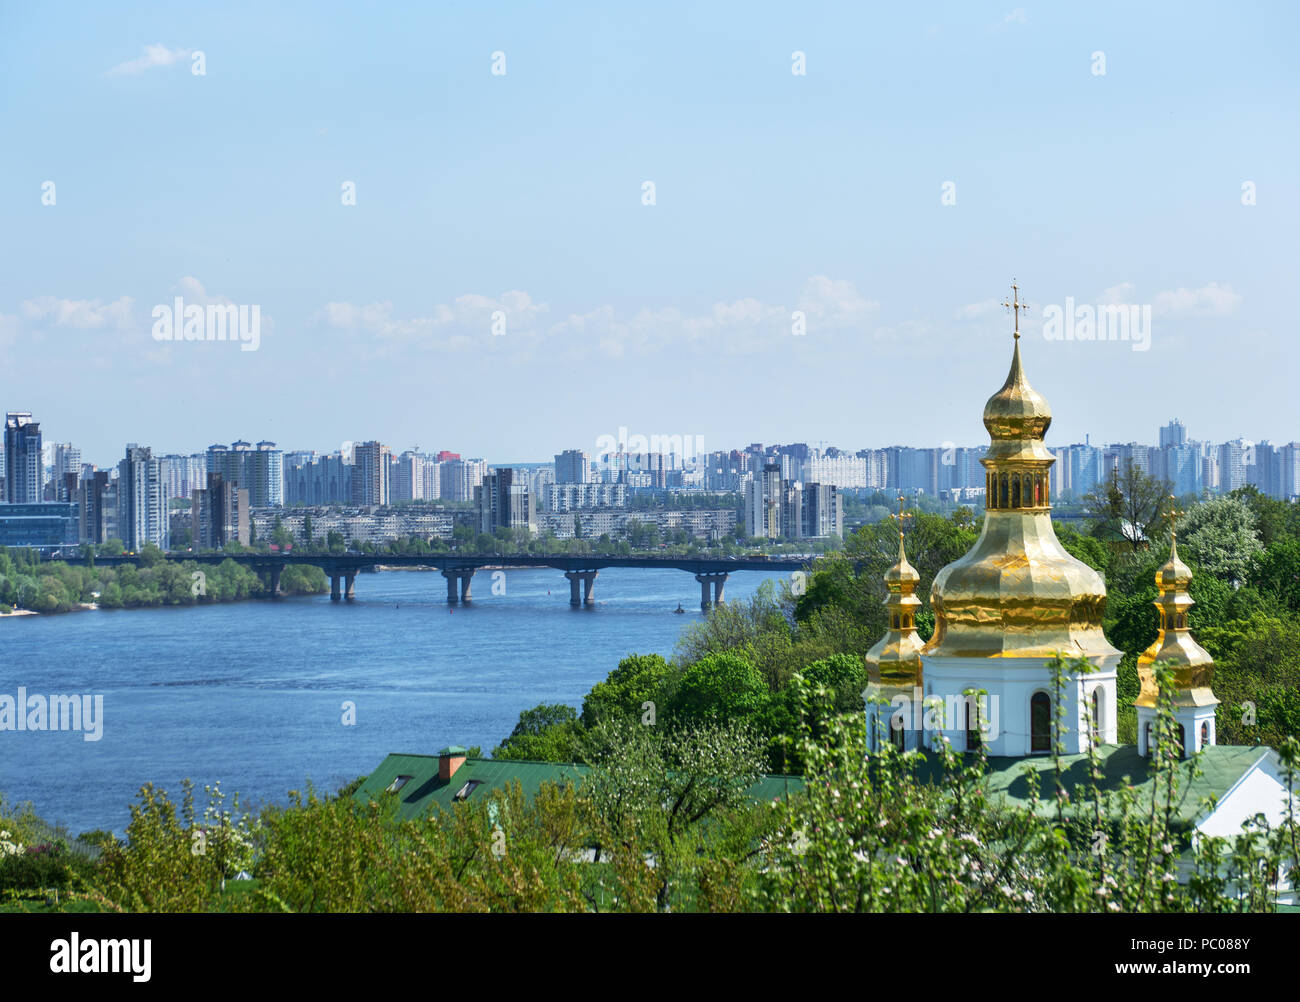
column 252, row 694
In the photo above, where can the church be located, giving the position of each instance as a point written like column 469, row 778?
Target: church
column 1003, row 614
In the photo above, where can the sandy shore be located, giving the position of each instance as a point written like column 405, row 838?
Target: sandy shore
column 30, row 612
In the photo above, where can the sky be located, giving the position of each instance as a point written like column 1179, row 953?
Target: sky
column 508, row 229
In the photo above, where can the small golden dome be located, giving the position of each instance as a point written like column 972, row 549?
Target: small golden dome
column 902, row 571
column 1192, row 665
column 1174, row 574
column 1017, row 411
column 895, row 658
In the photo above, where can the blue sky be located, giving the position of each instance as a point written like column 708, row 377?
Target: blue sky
column 522, row 195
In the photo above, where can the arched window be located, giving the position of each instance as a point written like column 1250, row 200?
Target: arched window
column 1148, row 741
column 1096, row 715
column 896, row 735
column 973, row 731
column 1015, row 492
column 1003, row 502
column 1182, row 741
column 1205, row 733
column 1040, row 722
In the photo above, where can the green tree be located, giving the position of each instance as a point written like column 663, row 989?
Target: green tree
column 550, row 732
column 1219, row 537
column 721, row 686
column 669, row 814
column 1128, row 507
column 637, row 679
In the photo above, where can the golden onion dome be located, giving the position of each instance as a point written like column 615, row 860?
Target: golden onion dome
column 1018, row 593
column 1174, row 575
column 1017, row 413
column 1192, row 665
column 902, row 571
column 895, row 659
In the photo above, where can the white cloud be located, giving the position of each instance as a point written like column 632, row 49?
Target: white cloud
column 1118, row 295
column 834, row 302
column 84, row 314
column 1209, row 300
column 154, row 55
column 728, row 327
column 974, row 311
column 452, row 325
column 1017, row 16
column 192, row 291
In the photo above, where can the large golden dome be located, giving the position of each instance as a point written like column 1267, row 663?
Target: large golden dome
column 1018, row 593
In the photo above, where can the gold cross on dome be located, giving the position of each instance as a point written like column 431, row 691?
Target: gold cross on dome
column 1016, row 305
column 899, row 518
column 1174, row 516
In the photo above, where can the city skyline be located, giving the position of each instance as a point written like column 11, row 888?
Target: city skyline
column 694, row 444
column 498, row 255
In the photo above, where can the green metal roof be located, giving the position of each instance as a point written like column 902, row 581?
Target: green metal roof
column 423, row 789
column 1222, row 766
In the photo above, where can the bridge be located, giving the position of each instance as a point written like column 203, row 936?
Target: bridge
column 579, row 571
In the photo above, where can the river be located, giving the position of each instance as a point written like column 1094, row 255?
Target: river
column 252, row 693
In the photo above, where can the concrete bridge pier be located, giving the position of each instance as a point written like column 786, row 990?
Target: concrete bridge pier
column 350, row 589
column 269, row 575
column 588, row 579
column 462, row 574
column 335, row 595
column 716, row 579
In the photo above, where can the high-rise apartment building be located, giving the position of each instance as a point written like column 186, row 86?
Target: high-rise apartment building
column 258, row 469
column 1174, row 433
column 823, row 512
column 97, row 508
column 141, row 500
column 459, row 477
column 763, row 503
column 24, row 479
column 317, row 480
column 263, row 476
column 184, row 474
column 504, row 503
column 219, row 514
column 572, row 466
column 1234, row 457
column 370, row 474
column 431, row 480
column 408, row 477
column 842, row 471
